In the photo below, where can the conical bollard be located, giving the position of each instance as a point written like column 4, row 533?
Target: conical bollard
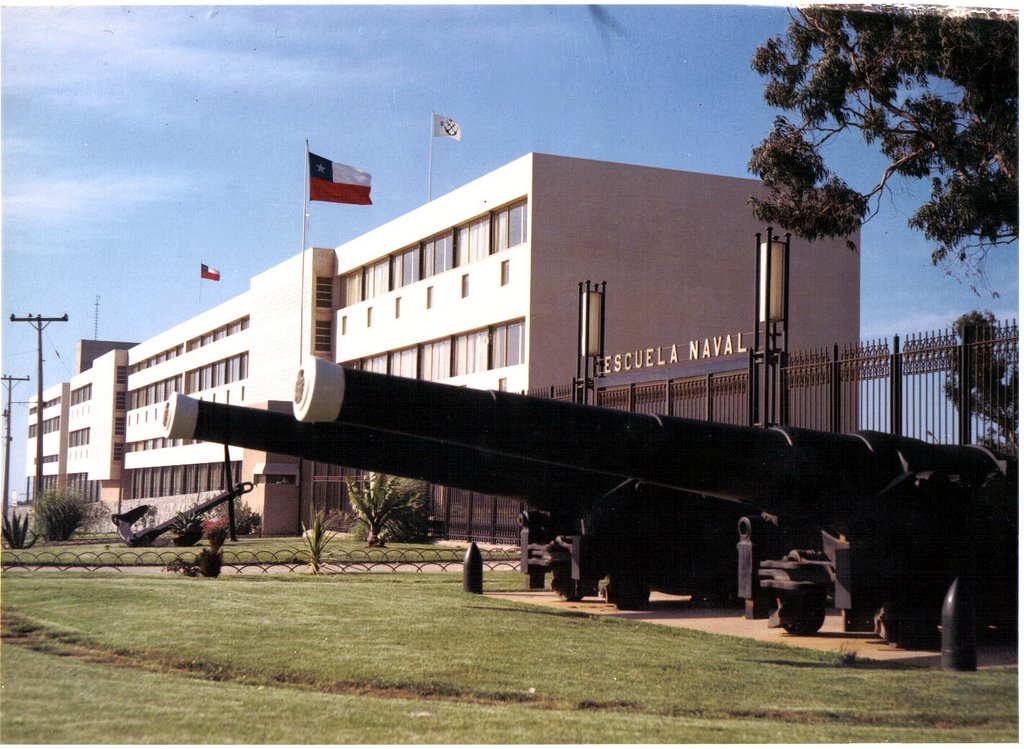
column 473, row 570
column 959, row 652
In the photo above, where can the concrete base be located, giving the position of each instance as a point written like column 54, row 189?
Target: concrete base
column 676, row 611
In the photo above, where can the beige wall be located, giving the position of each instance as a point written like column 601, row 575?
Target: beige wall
column 677, row 252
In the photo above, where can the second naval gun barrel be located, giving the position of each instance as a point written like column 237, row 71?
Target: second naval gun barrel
column 795, row 472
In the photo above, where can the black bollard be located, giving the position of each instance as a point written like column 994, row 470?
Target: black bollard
column 473, row 571
column 959, row 651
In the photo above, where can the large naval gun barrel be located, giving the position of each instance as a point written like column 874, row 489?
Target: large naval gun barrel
column 371, row 449
column 789, row 471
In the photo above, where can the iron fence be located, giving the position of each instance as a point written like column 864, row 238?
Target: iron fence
column 921, row 390
column 156, row 560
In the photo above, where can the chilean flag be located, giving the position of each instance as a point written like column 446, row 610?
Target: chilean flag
column 210, row 274
column 337, row 183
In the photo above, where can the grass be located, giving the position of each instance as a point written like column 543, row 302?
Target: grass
column 244, row 551
column 410, row 658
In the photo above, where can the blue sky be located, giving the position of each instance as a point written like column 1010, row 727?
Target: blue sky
column 140, row 141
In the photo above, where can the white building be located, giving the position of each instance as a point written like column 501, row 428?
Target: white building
column 475, row 288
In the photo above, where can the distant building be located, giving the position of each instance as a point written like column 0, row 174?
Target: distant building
column 475, row 288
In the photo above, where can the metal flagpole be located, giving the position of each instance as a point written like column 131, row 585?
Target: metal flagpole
column 302, row 272
column 430, row 157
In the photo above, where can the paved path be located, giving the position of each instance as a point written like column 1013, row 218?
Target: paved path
column 676, row 611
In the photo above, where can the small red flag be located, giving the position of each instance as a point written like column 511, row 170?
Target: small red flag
column 210, row 274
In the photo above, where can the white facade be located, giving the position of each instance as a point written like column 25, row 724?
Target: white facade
column 476, row 288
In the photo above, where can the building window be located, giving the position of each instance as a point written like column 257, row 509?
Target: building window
column 430, row 297
column 119, row 426
column 508, row 345
column 119, row 400
column 375, row 279
column 377, row 364
column 436, row 360
column 403, row 363
column 502, row 384
column 398, row 307
column 405, row 267
column 470, row 352
column 324, row 292
column 504, row 273
column 439, row 254
column 465, row 285
column 118, row 452
column 352, row 288
column 122, row 375
column 81, row 395
column 219, row 373
column 78, row 438
column 344, row 324
column 369, row 316
column 509, row 226
column 322, row 337
column 473, row 241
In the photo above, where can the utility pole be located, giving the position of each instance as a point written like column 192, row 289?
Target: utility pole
column 9, row 384
column 40, row 324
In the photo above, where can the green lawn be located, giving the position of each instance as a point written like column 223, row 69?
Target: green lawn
column 117, row 658
column 244, row 551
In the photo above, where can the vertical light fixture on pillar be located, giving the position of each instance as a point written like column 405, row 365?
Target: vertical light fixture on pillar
column 590, row 335
column 767, row 404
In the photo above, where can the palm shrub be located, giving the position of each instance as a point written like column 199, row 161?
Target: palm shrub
column 188, row 528
column 15, row 532
column 59, row 513
column 384, row 509
column 316, row 537
column 209, row 560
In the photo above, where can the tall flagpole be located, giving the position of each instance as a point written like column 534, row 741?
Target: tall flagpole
column 430, row 157
column 305, row 222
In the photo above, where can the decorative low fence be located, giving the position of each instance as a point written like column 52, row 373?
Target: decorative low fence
column 158, row 559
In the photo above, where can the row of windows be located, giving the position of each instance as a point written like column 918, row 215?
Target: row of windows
column 155, row 392
column 81, row 395
column 476, row 351
column 223, row 372
column 156, row 443
column 323, row 328
column 49, row 426
column 152, row 361
column 46, row 404
column 163, row 481
column 78, row 437
column 456, row 247
column 237, row 326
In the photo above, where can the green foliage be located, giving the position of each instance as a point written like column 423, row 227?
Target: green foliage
column 59, row 513
column 15, row 532
column 386, row 508
column 187, row 526
column 316, row 538
column 993, row 385
column 935, row 93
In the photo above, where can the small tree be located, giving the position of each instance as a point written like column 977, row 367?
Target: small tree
column 991, row 390
column 59, row 513
column 382, row 506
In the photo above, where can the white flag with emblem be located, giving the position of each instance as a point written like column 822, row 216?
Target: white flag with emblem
column 446, row 127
